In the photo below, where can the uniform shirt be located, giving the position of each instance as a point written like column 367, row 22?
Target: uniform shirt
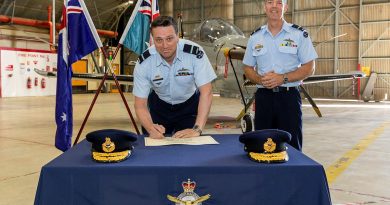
column 174, row 83
column 282, row 53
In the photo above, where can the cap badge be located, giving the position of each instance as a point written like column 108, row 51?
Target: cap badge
column 108, row 146
column 269, row 145
column 188, row 197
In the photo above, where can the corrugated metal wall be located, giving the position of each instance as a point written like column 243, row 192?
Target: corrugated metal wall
column 24, row 37
column 364, row 30
column 249, row 15
column 194, row 12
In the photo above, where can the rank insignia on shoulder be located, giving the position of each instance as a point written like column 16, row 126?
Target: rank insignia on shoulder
column 305, row 33
column 144, row 56
column 199, row 55
column 258, row 29
column 193, row 50
column 188, row 196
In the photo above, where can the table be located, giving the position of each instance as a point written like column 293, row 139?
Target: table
column 151, row 173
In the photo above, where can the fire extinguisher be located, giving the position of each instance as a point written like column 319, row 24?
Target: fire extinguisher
column 28, row 82
column 43, row 83
column 36, row 81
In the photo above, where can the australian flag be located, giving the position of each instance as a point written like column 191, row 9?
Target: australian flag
column 136, row 35
column 77, row 38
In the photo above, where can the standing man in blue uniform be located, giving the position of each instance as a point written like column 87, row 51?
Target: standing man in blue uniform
column 172, row 84
column 278, row 57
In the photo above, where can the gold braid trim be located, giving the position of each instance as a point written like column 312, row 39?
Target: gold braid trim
column 110, row 157
column 268, row 157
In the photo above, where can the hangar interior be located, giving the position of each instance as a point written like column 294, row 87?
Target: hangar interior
column 348, row 35
column 361, row 28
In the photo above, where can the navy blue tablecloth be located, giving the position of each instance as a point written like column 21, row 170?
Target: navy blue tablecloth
column 151, row 173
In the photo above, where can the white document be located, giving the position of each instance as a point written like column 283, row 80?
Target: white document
column 201, row 140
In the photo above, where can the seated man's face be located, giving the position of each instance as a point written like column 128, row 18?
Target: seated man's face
column 165, row 39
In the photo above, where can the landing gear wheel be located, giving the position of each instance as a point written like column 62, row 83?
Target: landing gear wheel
column 247, row 124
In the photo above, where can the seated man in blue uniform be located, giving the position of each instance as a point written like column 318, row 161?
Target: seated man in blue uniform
column 172, row 84
column 278, row 57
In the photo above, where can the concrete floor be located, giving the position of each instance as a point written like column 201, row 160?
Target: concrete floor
column 351, row 141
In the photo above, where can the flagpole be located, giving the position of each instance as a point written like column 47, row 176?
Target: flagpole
column 155, row 8
column 98, row 42
column 116, row 51
column 126, row 28
column 120, row 91
column 98, row 92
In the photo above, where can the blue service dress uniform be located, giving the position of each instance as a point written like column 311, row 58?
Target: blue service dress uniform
column 172, row 90
column 283, row 53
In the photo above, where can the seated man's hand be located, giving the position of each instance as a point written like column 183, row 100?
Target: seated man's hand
column 157, row 131
column 187, row 133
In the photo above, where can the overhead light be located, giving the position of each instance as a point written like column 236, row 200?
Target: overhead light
column 130, row 2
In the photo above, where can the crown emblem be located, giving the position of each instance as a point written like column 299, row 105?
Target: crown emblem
column 188, row 186
column 269, row 145
column 188, row 197
column 108, row 146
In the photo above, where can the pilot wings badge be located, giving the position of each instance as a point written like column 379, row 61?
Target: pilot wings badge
column 188, row 197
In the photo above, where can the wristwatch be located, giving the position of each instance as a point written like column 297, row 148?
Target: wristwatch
column 197, row 129
column 285, row 78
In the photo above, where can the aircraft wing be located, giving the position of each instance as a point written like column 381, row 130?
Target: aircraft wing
column 238, row 54
column 122, row 79
column 218, row 36
column 323, row 78
column 333, row 77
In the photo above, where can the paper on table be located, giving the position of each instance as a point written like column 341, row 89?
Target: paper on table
column 201, row 140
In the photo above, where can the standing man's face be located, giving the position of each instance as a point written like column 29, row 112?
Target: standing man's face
column 274, row 9
column 165, row 39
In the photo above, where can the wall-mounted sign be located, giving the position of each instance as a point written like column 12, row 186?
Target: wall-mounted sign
column 18, row 77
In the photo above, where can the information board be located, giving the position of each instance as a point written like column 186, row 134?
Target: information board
column 18, row 77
